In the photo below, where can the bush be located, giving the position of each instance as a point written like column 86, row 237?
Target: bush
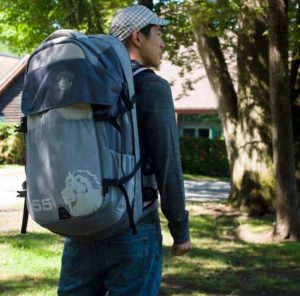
column 12, row 148
column 204, row 157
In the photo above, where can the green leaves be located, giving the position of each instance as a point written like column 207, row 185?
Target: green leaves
column 25, row 24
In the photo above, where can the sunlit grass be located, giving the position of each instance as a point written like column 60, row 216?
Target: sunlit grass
column 10, row 166
column 29, row 265
column 257, row 225
column 203, row 177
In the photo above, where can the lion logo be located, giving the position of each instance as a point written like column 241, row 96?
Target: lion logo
column 82, row 193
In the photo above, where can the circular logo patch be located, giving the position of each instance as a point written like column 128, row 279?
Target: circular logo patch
column 64, row 81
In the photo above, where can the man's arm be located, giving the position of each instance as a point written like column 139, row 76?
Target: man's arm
column 159, row 133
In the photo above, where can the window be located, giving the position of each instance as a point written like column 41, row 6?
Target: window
column 203, row 133
column 189, row 132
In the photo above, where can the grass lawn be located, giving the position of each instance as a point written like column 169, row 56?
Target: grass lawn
column 206, row 178
column 231, row 255
column 11, row 166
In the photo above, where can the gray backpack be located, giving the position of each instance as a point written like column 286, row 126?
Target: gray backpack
column 82, row 160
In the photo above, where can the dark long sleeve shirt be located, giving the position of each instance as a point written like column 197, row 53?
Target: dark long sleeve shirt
column 159, row 143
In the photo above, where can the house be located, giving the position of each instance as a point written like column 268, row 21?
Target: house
column 12, row 71
column 195, row 111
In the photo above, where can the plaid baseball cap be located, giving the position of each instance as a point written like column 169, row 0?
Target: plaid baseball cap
column 133, row 18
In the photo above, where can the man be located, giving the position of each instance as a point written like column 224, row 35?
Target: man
column 128, row 264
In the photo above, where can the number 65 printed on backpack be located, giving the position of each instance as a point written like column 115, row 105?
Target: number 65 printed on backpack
column 42, row 205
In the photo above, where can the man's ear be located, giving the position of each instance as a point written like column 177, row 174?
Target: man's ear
column 136, row 38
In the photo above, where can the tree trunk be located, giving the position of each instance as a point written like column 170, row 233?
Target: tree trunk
column 295, row 101
column 220, row 80
column 245, row 118
column 287, row 224
column 253, row 171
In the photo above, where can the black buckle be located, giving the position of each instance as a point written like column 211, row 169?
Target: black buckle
column 23, row 193
column 22, row 128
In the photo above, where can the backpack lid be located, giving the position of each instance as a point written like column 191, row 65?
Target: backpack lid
column 66, row 71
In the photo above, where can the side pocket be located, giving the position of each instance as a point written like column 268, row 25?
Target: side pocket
column 63, row 171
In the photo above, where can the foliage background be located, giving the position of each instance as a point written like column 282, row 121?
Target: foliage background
column 12, row 148
column 204, row 157
column 25, row 24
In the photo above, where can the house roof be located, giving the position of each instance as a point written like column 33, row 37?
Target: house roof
column 13, row 68
column 7, row 62
column 201, row 97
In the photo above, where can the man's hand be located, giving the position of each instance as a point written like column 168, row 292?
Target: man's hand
column 181, row 249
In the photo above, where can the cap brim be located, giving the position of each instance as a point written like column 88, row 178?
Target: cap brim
column 160, row 22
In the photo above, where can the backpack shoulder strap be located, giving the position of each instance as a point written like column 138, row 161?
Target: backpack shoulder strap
column 137, row 73
column 139, row 70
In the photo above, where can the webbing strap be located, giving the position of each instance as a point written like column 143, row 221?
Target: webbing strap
column 125, row 98
column 129, row 208
column 22, row 128
column 109, row 118
column 123, row 180
column 119, row 183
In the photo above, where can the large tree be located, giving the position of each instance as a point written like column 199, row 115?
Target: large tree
column 287, row 203
column 244, row 111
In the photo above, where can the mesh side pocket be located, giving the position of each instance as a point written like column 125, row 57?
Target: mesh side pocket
column 63, row 164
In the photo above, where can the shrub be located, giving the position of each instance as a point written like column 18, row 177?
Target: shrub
column 204, row 157
column 12, row 148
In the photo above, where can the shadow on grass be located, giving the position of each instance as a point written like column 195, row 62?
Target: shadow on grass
column 22, row 285
column 247, row 272
column 221, row 264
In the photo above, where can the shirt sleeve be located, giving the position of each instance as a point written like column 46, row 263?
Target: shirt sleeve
column 158, row 131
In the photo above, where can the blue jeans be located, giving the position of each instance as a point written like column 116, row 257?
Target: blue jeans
column 125, row 264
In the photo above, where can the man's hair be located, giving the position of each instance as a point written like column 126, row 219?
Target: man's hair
column 145, row 31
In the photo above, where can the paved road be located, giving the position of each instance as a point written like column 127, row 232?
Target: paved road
column 11, row 181
column 204, row 191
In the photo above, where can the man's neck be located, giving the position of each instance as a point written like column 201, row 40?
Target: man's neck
column 134, row 56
